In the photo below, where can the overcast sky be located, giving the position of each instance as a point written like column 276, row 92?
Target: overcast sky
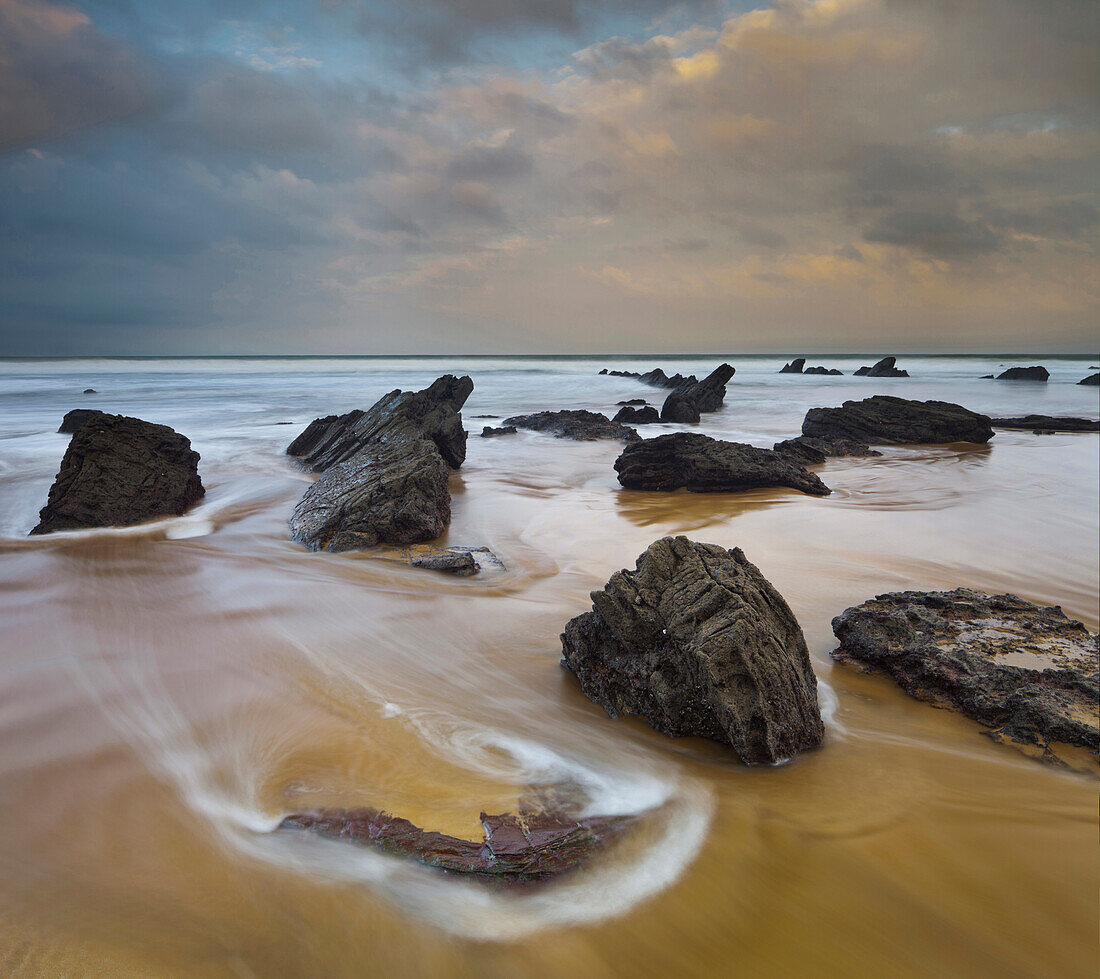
column 499, row 176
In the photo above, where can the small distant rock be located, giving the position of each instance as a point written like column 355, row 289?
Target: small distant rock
column 1024, row 374
column 811, row 451
column 90, row 391
column 884, row 419
column 884, row 368
column 1092, row 379
column 488, row 432
column 824, row 370
column 583, row 426
column 987, row 377
column 794, row 367
column 628, row 415
column 701, row 464
column 632, row 401
column 1048, row 423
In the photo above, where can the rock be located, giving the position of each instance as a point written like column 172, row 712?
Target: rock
column 1024, row 374
column 705, row 465
column 656, row 378
column 987, row 377
column 90, row 391
column 487, row 432
column 119, row 471
column 883, row 419
column 794, row 367
column 1048, row 423
column 824, row 370
column 392, row 492
column 1026, row 672
column 632, row 401
column 521, row 848
column 678, row 408
column 76, row 418
column 584, row 426
column 431, row 414
column 884, row 368
column 706, row 395
column 637, row 416
column 810, row 452
column 697, row 642
column 1092, row 379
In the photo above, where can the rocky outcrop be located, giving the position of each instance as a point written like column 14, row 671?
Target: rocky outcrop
column 656, row 378
column 633, row 401
column 519, row 848
column 1048, row 423
column 704, row 465
column 489, row 432
column 697, row 642
column 1092, row 380
column 794, row 367
column 584, row 426
column 884, row 368
column 678, row 408
column 704, row 396
column 76, row 418
column 629, row 415
column 399, row 416
column 1024, row 374
column 824, row 370
column 1026, row 672
column 119, row 471
column 883, row 419
column 392, row 492
column 811, row 452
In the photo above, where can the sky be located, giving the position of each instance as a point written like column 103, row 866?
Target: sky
column 543, row 176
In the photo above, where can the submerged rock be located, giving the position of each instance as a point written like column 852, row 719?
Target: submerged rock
column 76, row 418
column 1048, row 423
column 455, row 559
column 883, row 419
column 90, row 391
column 431, row 414
column 488, row 432
column 698, row 642
column 705, row 465
column 1027, row 672
column 1092, row 379
column 525, row 847
column 584, row 426
column 824, row 370
column 646, row 415
column 119, row 471
column 1024, row 374
column 794, row 367
column 884, row 368
column 632, row 401
column 811, row 451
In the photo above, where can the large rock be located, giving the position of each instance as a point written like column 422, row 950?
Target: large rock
column 584, row 426
column 1024, row 374
column 883, row 419
column 884, row 368
column 119, row 471
column 1048, row 423
column 707, row 394
column 794, row 367
column 811, row 452
column 518, row 848
column 679, row 408
column 696, row 641
column 1092, row 380
column 629, row 415
column 391, row 492
column 399, row 416
column 1025, row 671
column 705, row 465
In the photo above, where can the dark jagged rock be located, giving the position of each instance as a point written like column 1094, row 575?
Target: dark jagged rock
column 679, row 408
column 1026, row 672
column 584, row 426
column 632, row 401
column 629, row 415
column 1048, row 423
column 392, row 492
column 884, row 368
column 76, row 418
column 89, row 390
column 519, row 848
column 655, row 378
column 698, row 642
column 119, row 471
column 987, row 377
column 706, row 395
column 794, row 367
column 488, row 432
column 1024, row 374
column 810, row 452
column 824, row 370
column 884, row 419
column 705, row 465
column 1092, row 380
column 431, row 414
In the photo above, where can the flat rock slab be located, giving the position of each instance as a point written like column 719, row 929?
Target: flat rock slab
column 457, row 560
column 698, row 642
column 886, row 420
column 701, row 464
column 1027, row 672
column 580, row 425
column 518, row 848
column 119, row 471
column 1047, row 423
column 488, row 432
column 811, row 451
column 1024, row 374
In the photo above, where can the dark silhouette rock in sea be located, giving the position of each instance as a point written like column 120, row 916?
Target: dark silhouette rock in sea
column 794, row 367
column 884, row 368
column 703, row 396
column 1027, row 672
column 76, row 418
column 1093, row 380
column 811, row 451
column 632, row 401
column 697, row 642
column 488, row 432
column 884, row 419
column 1024, row 374
column 628, row 415
column 679, row 408
column 701, row 464
column 118, row 471
column 431, row 414
column 1048, row 423
column 655, row 378
column 824, row 370
column 519, row 848
column 90, row 391
column 583, row 426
